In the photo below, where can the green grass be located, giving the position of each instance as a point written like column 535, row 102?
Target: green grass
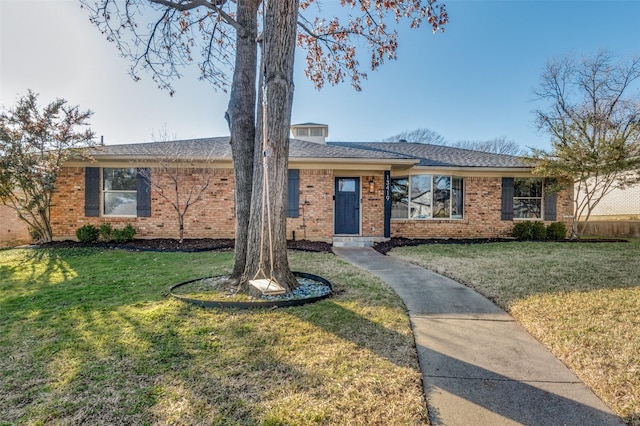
column 89, row 336
column 582, row 300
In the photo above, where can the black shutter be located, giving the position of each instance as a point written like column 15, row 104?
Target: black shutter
column 507, row 198
column 92, row 191
column 293, row 193
column 550, row 199
column 143, row 193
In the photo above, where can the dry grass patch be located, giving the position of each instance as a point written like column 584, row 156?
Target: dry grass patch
column 581, row 300
column 88, row 336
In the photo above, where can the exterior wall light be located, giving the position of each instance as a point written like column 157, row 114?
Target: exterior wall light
column 372, row 186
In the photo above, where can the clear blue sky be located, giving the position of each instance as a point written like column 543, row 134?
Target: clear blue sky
column 472, row 82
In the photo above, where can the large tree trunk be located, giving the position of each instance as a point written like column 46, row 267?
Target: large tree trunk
column 278, row 46
column 241, row 118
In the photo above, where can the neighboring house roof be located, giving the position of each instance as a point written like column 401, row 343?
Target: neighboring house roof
column 396, row 152
column 439, row 155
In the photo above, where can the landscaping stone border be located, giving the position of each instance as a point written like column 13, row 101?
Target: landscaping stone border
column 255, row 304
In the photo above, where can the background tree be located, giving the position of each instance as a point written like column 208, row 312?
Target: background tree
column 34, row 143
column 499, row 145
column 421, row 135
column 593, row 118
column 179, row 181
column 161, row 36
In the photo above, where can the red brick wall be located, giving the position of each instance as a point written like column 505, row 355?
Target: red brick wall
column 214, row 217
column 316, row 206
column 13, row 231
column 373, row 207
column 482, row 214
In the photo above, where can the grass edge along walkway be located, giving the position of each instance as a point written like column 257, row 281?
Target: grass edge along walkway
column 582, row 301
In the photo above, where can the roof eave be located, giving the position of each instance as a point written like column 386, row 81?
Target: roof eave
column 478, row 170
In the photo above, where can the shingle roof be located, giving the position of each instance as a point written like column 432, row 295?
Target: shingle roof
column 303, row 149
column 439, row 155
column 219, row 148
column 188, row 149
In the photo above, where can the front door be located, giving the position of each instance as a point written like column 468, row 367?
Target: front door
column 347, row 207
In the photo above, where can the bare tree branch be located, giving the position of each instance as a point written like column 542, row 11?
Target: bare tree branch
column 593, row 121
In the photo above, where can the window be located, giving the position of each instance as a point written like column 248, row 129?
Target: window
column 427, row 197
column 457, row 198
column 302, row 131
column 347, row 185
column 119, row 192
column 124, row 192
column 527, row 198
column 316, row 131
column 400, row 198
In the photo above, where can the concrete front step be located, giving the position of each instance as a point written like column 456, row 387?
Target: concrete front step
column 355, row 241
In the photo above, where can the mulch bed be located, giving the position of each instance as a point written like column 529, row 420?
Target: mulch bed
column 384, row 247
column 213, row 244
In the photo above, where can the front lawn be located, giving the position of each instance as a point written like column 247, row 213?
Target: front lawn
column 581, row 300
column 89, row 336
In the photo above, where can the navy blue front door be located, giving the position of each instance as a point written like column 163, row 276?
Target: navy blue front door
column 347, row 207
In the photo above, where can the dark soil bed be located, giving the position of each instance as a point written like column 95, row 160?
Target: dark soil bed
column 211, row 244
column 384, row 247
column 187, row 245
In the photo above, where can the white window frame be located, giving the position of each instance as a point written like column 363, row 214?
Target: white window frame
column 115, row 191
column 431, row 176
column 541, row 198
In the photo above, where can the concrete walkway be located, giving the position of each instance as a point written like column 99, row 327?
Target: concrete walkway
column 479, row 366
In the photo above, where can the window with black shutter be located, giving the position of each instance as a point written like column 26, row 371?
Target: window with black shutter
column 123, row 191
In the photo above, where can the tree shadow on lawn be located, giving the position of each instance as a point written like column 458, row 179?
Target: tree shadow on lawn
column 149, row 361
column 39, row 267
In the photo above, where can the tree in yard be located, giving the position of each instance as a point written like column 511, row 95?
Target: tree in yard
column 180, row 182
column 34, row 143
column 593, row 118
column 164, row 35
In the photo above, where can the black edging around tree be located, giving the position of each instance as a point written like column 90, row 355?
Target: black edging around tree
column 257, row 303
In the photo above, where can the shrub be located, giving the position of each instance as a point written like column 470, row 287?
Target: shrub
column 556, row 231
column 124, row 235
column 539, row 231
column 522, row 231
column 527, row 230
column 88, row 234
column 106, row 232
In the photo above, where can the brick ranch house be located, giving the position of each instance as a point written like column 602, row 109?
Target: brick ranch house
column 337, row 192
